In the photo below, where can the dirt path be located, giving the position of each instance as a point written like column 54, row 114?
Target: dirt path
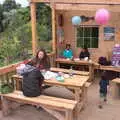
column 110, row 111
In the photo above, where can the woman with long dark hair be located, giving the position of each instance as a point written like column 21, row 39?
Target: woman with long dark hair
column 41, row 60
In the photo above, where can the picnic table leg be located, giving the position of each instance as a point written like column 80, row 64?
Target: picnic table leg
column 84, row 96
column 91, row 72
column 58, row 65
column 5, row 106
column 78, row 99
column 69, row 115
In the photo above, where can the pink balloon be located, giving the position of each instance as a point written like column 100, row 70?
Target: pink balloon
column 102, row 16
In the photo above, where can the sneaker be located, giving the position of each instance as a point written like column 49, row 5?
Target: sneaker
column 100, row 106
column 39, row 108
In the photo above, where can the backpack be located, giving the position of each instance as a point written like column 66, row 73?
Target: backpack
column 102, row 60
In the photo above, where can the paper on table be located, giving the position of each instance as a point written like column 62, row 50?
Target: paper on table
column 48, row 75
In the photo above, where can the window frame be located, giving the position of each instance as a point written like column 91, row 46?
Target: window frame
column 87, row 26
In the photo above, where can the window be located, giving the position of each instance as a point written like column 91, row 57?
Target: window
column 87, row 36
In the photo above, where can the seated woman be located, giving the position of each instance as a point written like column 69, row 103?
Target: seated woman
column 41, row 60
column 84, row 53
column 67, row 53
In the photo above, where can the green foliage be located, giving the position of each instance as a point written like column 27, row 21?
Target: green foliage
column 16, row 36
column 44, row 32
column 44, row 26
column 9, row 5
column 10, row 47
column 6, row 88
column 1, row 18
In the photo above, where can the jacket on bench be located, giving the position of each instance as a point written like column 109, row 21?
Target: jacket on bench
column 32, row 81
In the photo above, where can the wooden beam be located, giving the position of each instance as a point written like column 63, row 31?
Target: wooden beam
column 82, row 7
column 33, row 21
column 102, row 2
column 53, row 29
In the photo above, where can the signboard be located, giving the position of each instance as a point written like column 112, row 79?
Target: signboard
column 116, row 56
column 109, row 33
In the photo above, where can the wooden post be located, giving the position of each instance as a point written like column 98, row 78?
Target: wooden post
column 53, row 28
column 33, row 24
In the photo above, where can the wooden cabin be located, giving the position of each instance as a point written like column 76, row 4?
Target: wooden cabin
column 63, row 31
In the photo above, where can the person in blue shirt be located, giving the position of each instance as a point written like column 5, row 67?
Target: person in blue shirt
column 67, row 53
column 104, row 84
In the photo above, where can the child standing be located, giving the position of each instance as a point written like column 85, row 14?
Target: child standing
column 104, row 84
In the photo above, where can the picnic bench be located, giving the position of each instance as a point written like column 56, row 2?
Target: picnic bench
column 50, row 104
column 116, row 88
column 77, row 84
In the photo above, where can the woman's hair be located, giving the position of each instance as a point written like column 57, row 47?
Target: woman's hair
column 68, row 45
column 85, row 48
column 43, row 60
column 44, row 52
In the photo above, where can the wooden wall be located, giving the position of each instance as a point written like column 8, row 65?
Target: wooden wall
column 105, row 47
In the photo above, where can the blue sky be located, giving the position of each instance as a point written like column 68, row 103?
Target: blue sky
column 24, row 3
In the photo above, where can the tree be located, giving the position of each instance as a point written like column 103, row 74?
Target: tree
column 9, row 5
column 9, row 48
column 44, row 21
column 16, row 37
column 1, row 18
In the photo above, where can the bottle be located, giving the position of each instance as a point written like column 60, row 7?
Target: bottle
column 71, row 71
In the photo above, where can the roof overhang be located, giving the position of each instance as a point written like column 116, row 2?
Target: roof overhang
column 102, row 2
column 88, row 5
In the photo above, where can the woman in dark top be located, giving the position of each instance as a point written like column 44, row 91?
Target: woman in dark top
column 84, row 53
column 41, row 60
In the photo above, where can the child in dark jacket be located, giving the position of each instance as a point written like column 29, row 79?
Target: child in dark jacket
column 32, row 80
column 104, row 84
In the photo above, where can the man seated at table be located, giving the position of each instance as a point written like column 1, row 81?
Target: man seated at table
column 67, row 53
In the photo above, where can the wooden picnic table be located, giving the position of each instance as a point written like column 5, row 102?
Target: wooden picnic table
column 78, row 62
column 110, row 68
column 54, row 69
column 76, row 83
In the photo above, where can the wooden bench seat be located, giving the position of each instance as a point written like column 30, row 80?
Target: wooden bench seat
column 50, row 104
column 68, row 71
